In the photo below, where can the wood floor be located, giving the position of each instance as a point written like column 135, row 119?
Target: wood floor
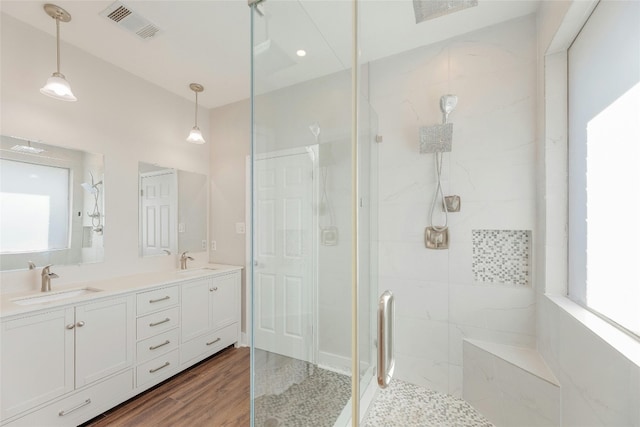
column 213, row 393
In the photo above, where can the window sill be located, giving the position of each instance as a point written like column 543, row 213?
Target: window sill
column 625, row 344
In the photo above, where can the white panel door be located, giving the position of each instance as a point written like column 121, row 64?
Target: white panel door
column 284, row 263
column 158, row 208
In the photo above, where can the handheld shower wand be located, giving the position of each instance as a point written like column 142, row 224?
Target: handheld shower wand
column 96, row 216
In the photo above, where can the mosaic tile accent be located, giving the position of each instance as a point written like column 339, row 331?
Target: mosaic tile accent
column 502, row 256
column 407, row 405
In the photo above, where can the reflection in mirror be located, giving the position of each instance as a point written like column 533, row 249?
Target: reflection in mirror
column 51, row 205
column 172, row 210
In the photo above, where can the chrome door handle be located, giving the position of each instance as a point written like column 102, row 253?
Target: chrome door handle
column 70, row 326
column 386, row 361
column 151, row 301
column 80, row 324
column 214, row 341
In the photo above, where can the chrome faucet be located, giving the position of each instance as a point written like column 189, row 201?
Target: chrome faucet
column 183, row 260
column 47, row 275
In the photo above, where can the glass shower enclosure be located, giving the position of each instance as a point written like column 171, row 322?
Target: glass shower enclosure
column 313, row 164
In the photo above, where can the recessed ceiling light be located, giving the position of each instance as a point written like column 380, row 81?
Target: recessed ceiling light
column 301, row 52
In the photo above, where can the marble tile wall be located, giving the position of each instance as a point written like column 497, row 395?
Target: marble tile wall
column 506, row 394
column 491, row 167
column 600, row 385
column 593, row 392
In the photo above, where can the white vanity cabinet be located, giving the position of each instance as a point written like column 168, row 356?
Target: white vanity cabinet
column 48, row 354
column 105, row 338
column 158, row 335
column 37, row 360
column 210, row 315
column 63, row 365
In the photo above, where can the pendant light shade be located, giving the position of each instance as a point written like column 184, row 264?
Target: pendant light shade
column 57, row 85
column 195, row 136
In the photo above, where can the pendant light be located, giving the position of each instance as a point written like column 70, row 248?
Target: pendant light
column 195, row 136
column 57, row 86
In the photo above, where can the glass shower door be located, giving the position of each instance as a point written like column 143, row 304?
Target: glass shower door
column 303, row 208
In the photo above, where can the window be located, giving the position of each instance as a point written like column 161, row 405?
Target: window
column 604, row 164
column 34, row 207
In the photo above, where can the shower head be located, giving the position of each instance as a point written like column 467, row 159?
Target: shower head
column 90, row 188
column 430, row 9
column 93, row 187
column 447, row 105
column 436, row 138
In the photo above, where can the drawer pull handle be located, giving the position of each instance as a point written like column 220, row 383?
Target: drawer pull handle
column 75, row 408
column 214, row 341
column 70, row 326
column 151, row 371
column 80, row 324
column 160, row 322
column 153, row 347
column 151, row 301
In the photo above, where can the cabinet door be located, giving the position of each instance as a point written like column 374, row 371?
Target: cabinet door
column 105, row 338
column 225, row 300
column 37, row 359
column 195, row 308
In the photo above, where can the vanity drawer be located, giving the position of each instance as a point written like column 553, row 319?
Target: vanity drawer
column 83, row 405
column 157, row 299
column 158, row 369
column 157, row 345
column 209, row 343
column 156, row 323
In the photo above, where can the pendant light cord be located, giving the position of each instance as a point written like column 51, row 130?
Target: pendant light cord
column 196, row 108
column 58, row 44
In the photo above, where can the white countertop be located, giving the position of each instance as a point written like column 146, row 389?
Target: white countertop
column 109, row 287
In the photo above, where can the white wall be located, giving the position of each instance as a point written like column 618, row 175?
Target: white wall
column 117, row 114
column 230, row 144
column 491, row 167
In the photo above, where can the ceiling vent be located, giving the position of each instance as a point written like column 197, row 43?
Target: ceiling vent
column 129, row 20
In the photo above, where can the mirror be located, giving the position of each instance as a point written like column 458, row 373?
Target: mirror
column 51, row 205
column 172, row 210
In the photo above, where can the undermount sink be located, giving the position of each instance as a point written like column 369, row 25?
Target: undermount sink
column 54, row 296
column 196, row 271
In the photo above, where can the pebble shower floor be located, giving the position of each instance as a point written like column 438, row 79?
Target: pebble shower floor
column 407, row 405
